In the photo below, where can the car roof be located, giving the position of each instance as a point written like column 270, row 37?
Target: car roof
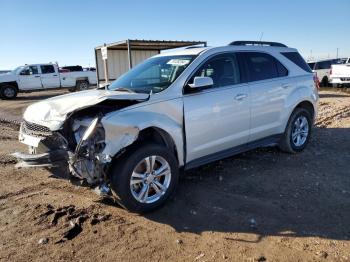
column 198, row 50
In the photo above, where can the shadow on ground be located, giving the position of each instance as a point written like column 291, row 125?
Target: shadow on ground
column 269, row 193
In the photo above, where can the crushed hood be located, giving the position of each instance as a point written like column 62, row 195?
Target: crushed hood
column 53, row 112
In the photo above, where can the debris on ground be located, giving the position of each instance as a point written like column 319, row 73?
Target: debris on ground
column 43, row 241
column 75, row 216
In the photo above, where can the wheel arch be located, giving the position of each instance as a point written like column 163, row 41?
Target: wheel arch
column 12, row 83
column 308, row 106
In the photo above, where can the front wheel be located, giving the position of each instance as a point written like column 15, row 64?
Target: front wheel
column 145, row 178
column 298, row 131
column 8, row 92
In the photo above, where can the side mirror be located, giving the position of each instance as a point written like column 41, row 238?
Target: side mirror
column 201, row 81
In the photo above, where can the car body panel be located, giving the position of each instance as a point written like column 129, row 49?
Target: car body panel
column 215, row 120
column 53, row 112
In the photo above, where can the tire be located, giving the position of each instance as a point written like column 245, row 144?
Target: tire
column 122, row 175
column 289, row 142
column 324, row 82
column 82, row 85
column 8, row 92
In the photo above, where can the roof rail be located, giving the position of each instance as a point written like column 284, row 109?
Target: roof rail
column 262, row 43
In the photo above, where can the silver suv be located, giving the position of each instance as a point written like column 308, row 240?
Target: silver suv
column 173, row 112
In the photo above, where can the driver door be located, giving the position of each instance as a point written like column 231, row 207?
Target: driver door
column 217, row 118
column 29, row 78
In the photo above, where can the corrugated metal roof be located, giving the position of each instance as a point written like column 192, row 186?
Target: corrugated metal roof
column 138, row 44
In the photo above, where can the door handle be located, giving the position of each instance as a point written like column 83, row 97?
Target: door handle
column 37, row 76
column 55, row 75
column 240, row 97
column 285, row 86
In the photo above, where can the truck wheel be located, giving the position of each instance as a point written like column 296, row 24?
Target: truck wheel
column 8, row 92
column 82, row 85
column 324, row 82
column 298, row 131
column 145, row 178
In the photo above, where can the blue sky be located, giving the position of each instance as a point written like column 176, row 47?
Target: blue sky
column 67, row 31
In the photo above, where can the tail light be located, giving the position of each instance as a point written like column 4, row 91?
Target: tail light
column 330, row 71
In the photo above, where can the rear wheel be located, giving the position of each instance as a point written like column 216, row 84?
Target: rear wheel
column 324, row 82
column 82, row 85
column 145, row 178
column 8, row 92
column 298, row 131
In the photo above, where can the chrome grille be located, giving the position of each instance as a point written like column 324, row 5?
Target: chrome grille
column 34, row 129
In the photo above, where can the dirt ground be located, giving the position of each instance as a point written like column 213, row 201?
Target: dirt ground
column 263, row 205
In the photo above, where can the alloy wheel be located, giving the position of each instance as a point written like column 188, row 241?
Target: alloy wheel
column 150, row 179
column 300, row 131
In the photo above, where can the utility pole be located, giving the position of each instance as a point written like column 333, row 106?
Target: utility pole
column 261, row 36
column 337, row 52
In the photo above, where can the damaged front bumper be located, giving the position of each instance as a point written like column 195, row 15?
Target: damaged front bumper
column 52, row 158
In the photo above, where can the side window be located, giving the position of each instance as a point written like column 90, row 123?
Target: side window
column 282, row 71
column 296, row 58
column 30, row 70
column 47, row 69
column 34, row 69
column 261, row 66
column 223, row 69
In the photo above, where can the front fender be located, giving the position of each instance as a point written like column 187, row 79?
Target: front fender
column 122, row 128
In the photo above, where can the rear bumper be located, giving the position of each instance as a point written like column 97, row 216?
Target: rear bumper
column 50, row 159
column 340, row 80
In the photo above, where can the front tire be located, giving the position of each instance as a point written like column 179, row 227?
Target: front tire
column 298, row 131
column 145, row 178
column 8, row 92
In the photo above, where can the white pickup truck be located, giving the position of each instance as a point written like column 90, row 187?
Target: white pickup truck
column 340, row 74
column 39, row 77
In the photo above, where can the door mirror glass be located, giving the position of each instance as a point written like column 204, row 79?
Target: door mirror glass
column 201, row 81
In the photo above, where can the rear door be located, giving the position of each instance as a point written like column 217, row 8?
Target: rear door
column 217, row 118
column 49, row 76
column 29, row 78
column 269, row 87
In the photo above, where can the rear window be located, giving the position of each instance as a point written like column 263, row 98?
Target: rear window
column 47, row 69
column 323, row 65
column 73, row 68
column 262, row 66
column 311, row 65
column 296, row 58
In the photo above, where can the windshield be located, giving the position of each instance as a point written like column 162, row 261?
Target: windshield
column 17, row 69
column 155, row 74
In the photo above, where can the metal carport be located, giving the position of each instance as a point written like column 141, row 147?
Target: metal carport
column 123, row 55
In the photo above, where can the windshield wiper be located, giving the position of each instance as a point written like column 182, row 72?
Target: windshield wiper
column 124, row 89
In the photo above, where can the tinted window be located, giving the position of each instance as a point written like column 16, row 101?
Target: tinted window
column 311, row 65
column 73, row 68
column 323, row 65
column 47, row 69
column 30, row 70
column 282, row 71
column 296, row 58
column 261, row 66
column 223, row 69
